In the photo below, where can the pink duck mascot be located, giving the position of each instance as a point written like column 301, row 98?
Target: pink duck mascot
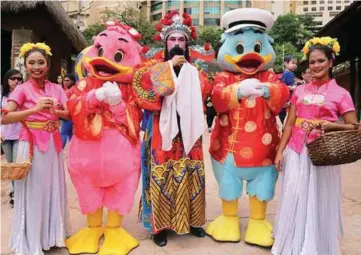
column 104, row 154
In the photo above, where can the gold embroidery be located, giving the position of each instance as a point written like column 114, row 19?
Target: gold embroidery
column 267, row 162
column 138, row 88
column 246, row 152
column 224, row 120
column 250, row 126
column 82, row 84
column 78, row 108
column 96, row 124
column 178, row 195
column 250, row 102
column 266, row 138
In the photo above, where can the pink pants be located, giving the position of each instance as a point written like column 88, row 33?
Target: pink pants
column 105, row 173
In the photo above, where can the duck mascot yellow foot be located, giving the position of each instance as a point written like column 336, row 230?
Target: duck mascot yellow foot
column 87, row 239
column 247, row 97
column 226, row 228
column 117, row 241
column 259, row 230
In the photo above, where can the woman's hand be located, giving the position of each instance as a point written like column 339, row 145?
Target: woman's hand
column 326, row 125
column 279, row 161
column 44, row 103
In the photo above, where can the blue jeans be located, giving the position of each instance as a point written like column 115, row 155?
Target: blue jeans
column 66, row 131
column 10, row 148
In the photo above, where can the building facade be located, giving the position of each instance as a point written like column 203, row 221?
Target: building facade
column 322, row 10
column 204, row 13
column 87, row 12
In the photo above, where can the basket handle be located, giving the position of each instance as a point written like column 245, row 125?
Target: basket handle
column 323, row 131
column 31, row 138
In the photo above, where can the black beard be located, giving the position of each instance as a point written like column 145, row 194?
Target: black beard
column 176, row 50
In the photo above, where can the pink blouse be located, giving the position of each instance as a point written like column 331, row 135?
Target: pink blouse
column 26, row 97
column 9, row 131
column 318, row 102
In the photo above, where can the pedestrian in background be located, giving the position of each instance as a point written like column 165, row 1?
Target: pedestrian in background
column 10, row 132
column 67, row 125
column 288, row 77
column 59, row 80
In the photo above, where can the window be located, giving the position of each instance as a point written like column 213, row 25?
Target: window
column 305, row 2
column 329, row 8
column 322, row 2
column 305, row 9
column 172, row 3
column 248, row 4
column 347, row 1
column 338, row 8
column 338, row 1
column 211, row 22
column 191, row 10
column 195, row 22
column 157, row 17
column 330, row 1
column 313, row 9
column 313, row 2
column 156, row 6
column 322, row 8
column 212, row 10
column 233, row 2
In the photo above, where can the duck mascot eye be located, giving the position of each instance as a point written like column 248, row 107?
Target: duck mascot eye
column 247, row 97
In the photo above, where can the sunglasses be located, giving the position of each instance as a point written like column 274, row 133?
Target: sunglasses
column 16, row 78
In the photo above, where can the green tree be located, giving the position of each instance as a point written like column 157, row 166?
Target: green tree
column 290, row 28
column 93, row 30
column 283, row 50
column 309, row 23
column 130, row 17
column 211, row 35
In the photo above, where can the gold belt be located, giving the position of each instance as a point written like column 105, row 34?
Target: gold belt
column 306, row 124
column 49, row 126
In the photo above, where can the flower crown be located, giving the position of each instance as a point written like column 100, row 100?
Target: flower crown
column 329, row 42
column 29, row 46
column 174, row 22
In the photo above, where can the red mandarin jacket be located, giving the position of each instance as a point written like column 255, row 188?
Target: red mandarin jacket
column 88, row 124
column 246, row 127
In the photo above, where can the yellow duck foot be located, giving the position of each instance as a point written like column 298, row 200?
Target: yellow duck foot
column 259, row 232
column 85, row 241
column 225, row 229
column 117, row 241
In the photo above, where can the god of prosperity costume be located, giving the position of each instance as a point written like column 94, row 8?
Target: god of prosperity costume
column 247, row 98
column 104, row 154
column 172, row 157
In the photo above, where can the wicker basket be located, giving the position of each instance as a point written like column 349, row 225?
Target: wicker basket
column 17, row 171
column 336, row 148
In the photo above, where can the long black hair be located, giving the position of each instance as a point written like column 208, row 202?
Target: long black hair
column 5, row 85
